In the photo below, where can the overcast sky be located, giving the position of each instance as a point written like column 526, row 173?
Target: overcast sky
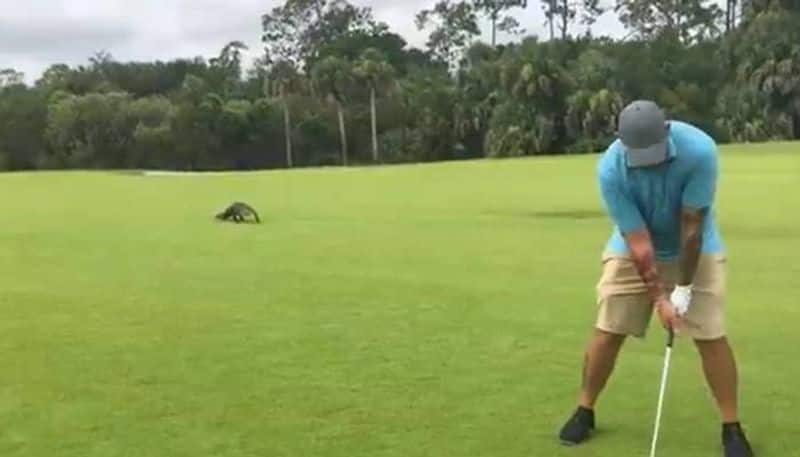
column 37, row 33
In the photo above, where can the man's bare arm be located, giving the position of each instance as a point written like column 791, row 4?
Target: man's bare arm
column 691, row 243
column 641, row 248
column 640, row 245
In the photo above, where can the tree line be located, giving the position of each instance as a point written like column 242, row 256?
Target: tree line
column 336, row 87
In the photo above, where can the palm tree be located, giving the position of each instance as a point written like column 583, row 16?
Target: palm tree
column 331, row 77
column 779, row 80
column 373, row 68
column 285, row 78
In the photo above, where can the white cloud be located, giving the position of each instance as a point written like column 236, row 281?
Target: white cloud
column 37, row 33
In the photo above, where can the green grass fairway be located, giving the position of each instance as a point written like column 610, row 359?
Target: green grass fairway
column 427, row 310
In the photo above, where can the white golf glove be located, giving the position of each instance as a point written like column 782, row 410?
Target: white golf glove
column 681, row 298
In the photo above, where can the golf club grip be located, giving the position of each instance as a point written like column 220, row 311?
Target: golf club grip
column 670, row 337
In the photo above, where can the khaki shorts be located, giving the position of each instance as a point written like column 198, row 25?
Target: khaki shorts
column 625, row 307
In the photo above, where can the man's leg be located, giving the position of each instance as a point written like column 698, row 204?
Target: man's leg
column 598, row 364
column 624, row 310
column 719, row 366
column 705, row 321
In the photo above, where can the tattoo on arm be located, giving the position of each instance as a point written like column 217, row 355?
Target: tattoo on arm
column 691, row 243
column 643, row 254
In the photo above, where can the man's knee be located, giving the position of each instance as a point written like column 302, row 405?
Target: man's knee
column 608, row 339
column 711, row 343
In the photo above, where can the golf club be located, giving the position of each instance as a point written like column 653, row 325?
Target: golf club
column 665, row 372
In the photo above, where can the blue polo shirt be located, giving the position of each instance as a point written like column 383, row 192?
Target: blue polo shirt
column 652, row 197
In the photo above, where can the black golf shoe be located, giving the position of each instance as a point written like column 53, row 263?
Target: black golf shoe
column 578, row 428
column 735, row 442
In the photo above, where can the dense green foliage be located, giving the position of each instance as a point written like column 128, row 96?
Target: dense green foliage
column 336, row 87
column 407, row 311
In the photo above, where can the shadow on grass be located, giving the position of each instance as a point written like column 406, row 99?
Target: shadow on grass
column 596, row 445
column 569, row 214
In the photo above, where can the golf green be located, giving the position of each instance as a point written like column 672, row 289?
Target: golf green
column 426, row 310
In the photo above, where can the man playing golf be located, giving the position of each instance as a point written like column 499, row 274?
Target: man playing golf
column 665, row 254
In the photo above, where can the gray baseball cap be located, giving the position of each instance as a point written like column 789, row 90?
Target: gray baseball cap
column 643, row 131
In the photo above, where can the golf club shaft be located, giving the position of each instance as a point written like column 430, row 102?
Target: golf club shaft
column 662, row 391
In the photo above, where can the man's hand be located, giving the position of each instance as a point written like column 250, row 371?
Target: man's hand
column 668, row 314
column 681, row 298
column 644, row 259
column 641, row 248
